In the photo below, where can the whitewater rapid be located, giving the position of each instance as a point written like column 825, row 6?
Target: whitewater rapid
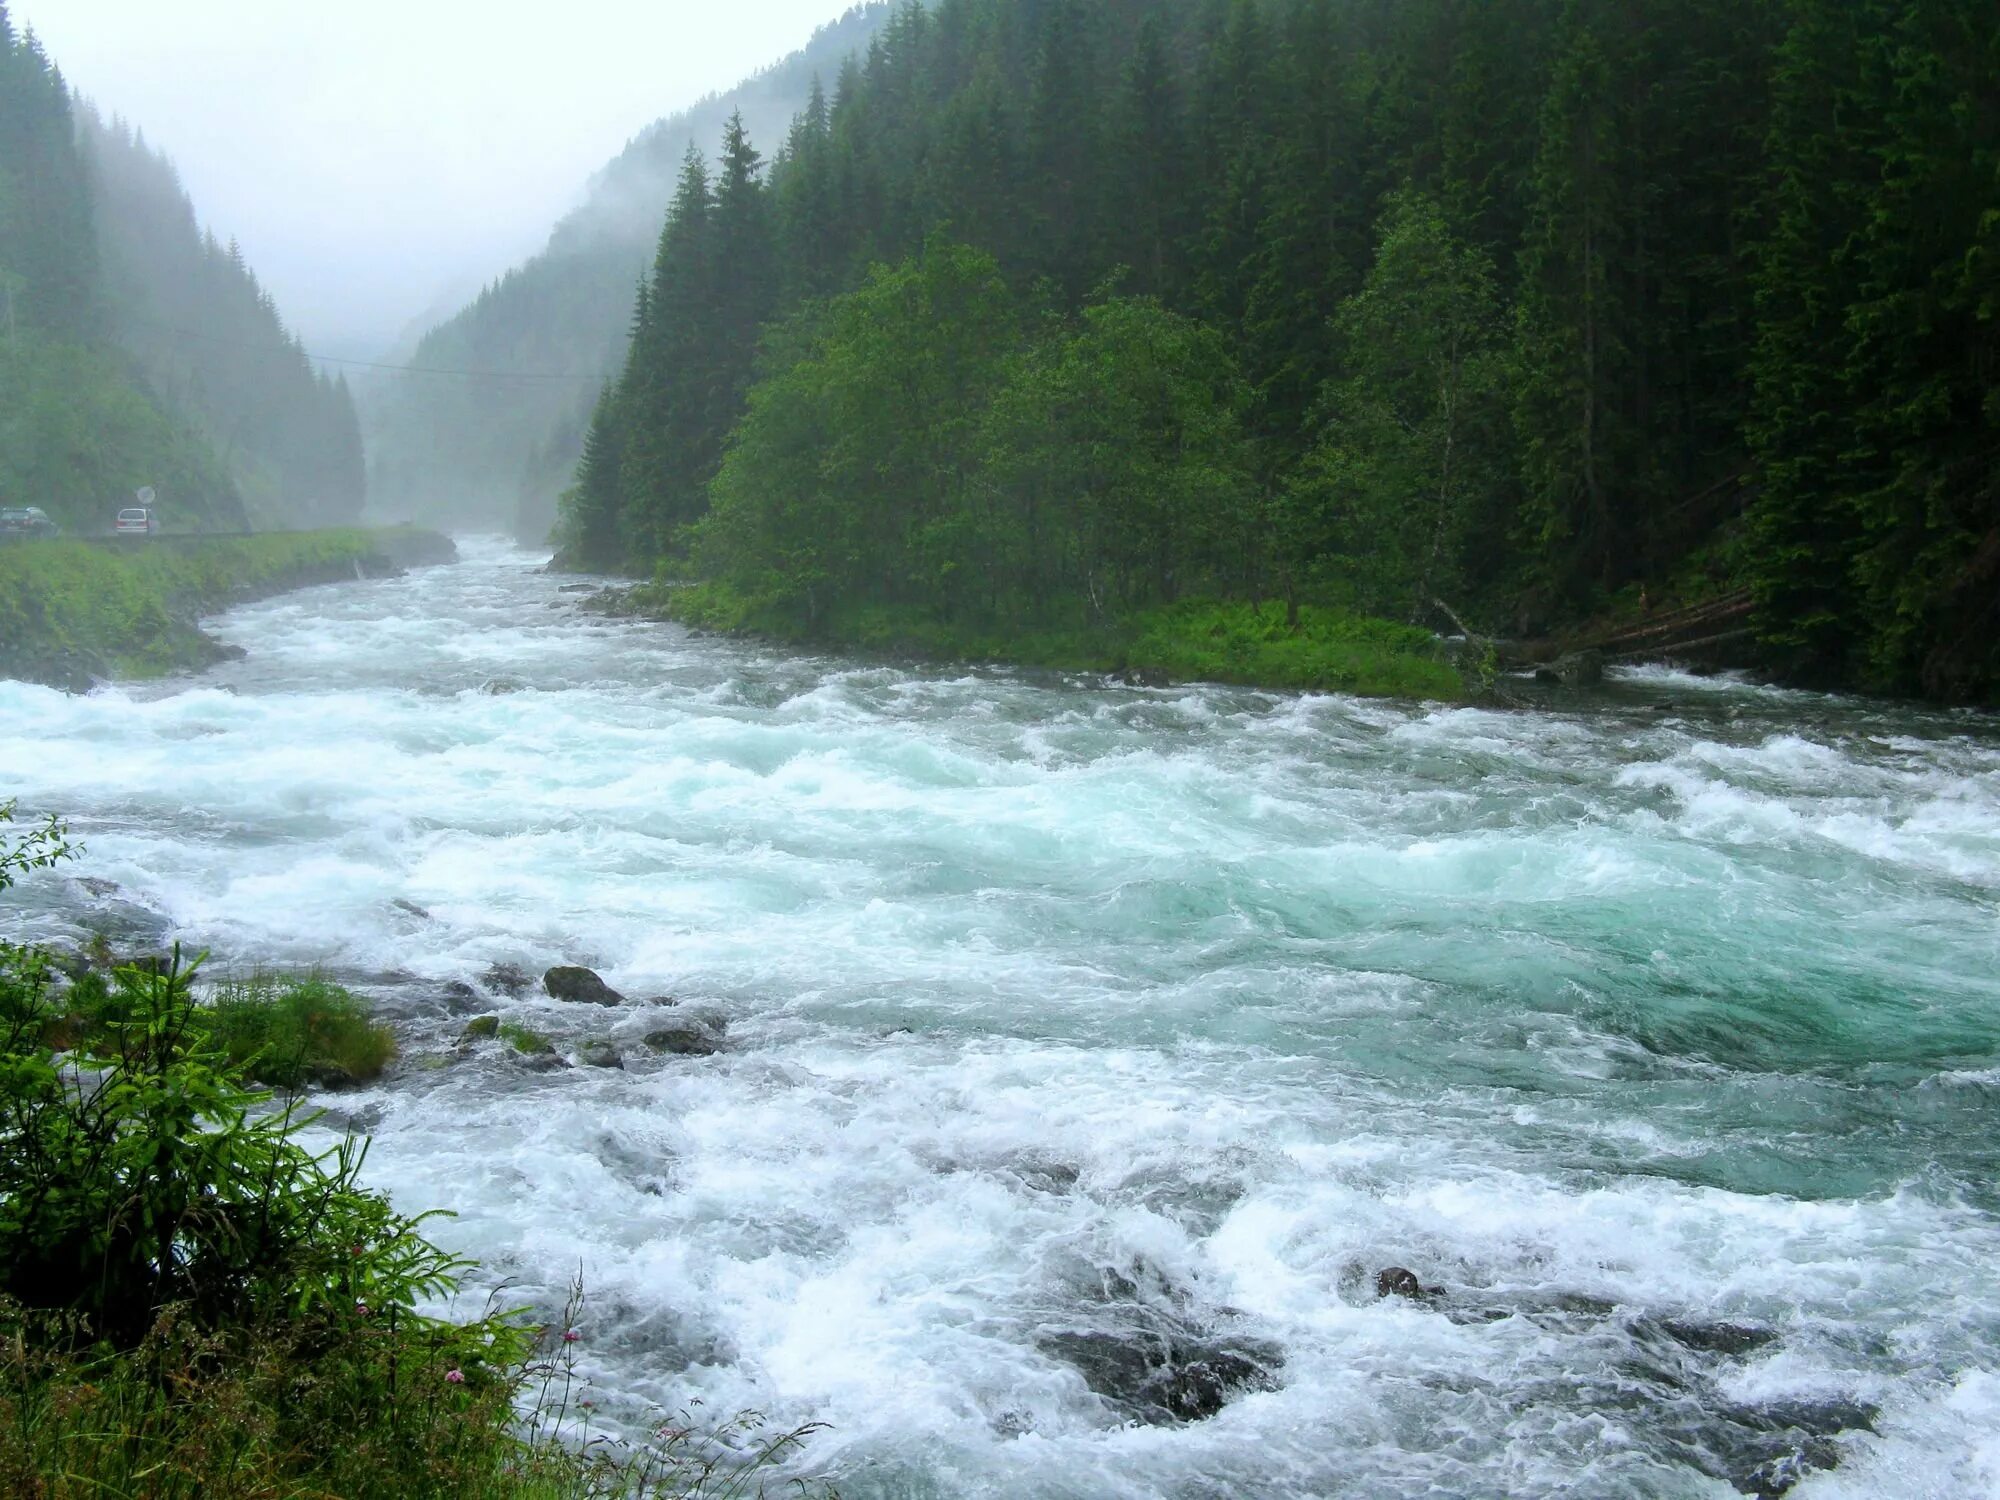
column 1659, row 1028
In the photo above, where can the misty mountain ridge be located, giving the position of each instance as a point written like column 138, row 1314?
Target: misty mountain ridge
column 546, row 336
column 137, row 351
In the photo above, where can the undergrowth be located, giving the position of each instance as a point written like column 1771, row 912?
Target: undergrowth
column 1323, row 650
column 195, row 1304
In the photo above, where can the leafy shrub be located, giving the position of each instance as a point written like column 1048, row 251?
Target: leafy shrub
column 195, row 1304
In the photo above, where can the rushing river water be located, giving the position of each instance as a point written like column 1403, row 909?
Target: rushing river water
column 1074, row 1030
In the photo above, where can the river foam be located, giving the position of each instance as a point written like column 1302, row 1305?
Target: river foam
column 1658, row 1032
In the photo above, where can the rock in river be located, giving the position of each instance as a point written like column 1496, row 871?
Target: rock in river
column 580, row 987
column 684, row 1037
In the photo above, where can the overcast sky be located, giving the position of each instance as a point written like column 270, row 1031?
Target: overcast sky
column 378, row 160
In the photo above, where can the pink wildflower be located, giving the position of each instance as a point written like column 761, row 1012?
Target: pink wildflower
column 455, row 1377
column 571, row 1336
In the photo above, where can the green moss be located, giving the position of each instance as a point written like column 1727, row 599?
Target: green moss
column 527, row 1042
column 1327, row 650
column 480, row 1029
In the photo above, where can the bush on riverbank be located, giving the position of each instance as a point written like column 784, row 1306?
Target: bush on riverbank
column 194, row 1303
column 73, row 610
column 285, row 1033
column 1326, row 650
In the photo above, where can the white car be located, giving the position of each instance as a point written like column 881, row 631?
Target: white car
column 135, row 520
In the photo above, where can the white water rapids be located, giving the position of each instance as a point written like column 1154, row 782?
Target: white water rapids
column 1659, row 1028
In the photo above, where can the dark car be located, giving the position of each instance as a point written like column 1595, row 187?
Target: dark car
column 26, row 520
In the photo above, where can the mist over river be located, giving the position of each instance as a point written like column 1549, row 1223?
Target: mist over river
column 1072, row 1028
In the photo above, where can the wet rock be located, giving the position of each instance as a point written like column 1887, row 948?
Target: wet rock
column 480, row 1029
column 1400, row 1281
column 579, row 986
column 510, row 980
column 1168, row 1374
column 499, row 687
column 458, row 989
column 684, row 1038
column 577, row 588
column 1775, row 1446
column 98, row 887
column 1717, row 1338
column 1578, row 669
column 600, row 1055
column 1142, row 677
column 411, row 908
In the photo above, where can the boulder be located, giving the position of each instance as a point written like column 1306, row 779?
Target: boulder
column 480, row 1029
column 684, row 1038
column 1167, row 1374
column 579, row 986
column 600, row 1055
column 1399, row 1281
column 98, row 887
column 1578, row 669
column 507, row 979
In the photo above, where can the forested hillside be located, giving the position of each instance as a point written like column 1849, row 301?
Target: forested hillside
column 133, row 350
column 78, row 431
column 503, row 438
column 1049, row 310
column 209, row 339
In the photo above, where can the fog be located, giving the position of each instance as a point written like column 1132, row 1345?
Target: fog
column 379, row 161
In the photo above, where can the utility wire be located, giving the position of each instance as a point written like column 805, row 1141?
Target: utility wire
column 369, row 364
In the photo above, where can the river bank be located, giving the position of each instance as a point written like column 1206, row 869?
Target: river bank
column 1229, row 642
column 73, row 613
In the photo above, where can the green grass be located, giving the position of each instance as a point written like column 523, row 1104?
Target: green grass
column 1328, row 650
column 291, row 1032
column 128, row 611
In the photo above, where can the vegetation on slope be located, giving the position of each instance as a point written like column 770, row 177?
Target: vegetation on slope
column 134, row 350
column 71, row 611
column 1520, row 305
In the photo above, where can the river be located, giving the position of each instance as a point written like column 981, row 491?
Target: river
column 1072, row 1028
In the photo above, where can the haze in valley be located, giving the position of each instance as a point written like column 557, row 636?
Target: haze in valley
column 377, row 161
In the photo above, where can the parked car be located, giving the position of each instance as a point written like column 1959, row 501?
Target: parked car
column 136, row 520
column 26, row 520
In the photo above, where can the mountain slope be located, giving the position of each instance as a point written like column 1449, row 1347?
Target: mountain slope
column 543, row 339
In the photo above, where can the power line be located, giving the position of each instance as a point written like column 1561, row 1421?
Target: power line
column 369, row 364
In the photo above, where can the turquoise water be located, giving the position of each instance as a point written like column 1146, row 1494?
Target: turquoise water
column 1659, row 1028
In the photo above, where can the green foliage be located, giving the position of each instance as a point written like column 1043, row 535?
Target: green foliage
column 139, row 1172
column 78, row 436
column 40, row 848
column 196, row 1305
column 128, row 610
column 290, row 1032
column 1322, row 650
column 1635, row 266
column 1412, row 462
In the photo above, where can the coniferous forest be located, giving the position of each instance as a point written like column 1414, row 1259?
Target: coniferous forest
column 1533, row 310
column 134, row 349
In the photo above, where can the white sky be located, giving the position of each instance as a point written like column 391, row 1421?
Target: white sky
column 379, row 160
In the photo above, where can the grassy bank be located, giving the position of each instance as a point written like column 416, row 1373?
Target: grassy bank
column 73, row 611
column 1327, row 650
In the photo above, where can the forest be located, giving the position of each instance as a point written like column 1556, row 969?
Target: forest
column 135, row 350
column 1526, row 312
